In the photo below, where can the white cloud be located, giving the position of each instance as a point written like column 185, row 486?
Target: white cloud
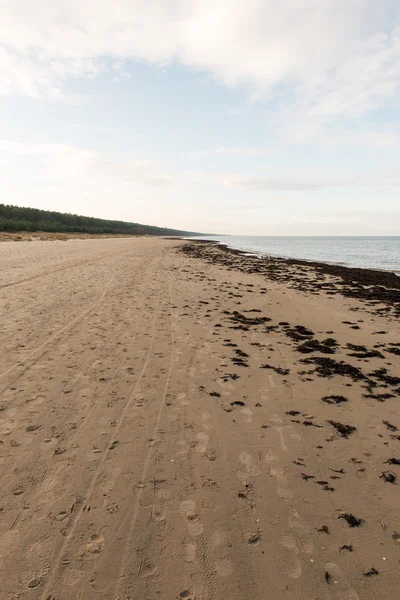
column 388, row 179
column 301, row 130
column 60, row 162
column 233, row 151
column 341, row 55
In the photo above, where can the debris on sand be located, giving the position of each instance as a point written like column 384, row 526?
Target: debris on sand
column 241, row 353
column 328, row 577
column 246, row 491
column 346, row 548
column 355, row 347
column 351, row 519
column 393, row 461
column 325, row 486
column 344, row 430
column 327, row 346
column 371, row 572
column 379, row 397
column 334, row 399
column 363, row 352
column 390, row 426
column 324, row 529
column 389, row 477
column 292, row 413
column 276, row 369
column 232, row 376
column 311, row 424
column 239, row 362
column 254, row 537
column 327, row 367
column 215, row 394
column 237, row 317
column 395, row 351
column 237, row 403
column 299, row 333
column 382, row 375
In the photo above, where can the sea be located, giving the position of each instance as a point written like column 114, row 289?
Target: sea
column 381, row 253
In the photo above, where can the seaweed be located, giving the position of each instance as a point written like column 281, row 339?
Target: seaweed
column 351, row 519
column 344, row 430
column 334, row 399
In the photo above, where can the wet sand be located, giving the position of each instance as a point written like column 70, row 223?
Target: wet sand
column 179, row 421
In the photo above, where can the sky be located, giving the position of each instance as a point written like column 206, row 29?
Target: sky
column 252, row 117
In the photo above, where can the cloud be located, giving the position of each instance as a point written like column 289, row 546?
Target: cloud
column 300, row 129
column 61, row 162
column 233, row 151
column 340, row 56
column 292, row 184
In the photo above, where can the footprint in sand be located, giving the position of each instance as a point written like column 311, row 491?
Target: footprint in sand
column 247, row 415
column 223, row 565
column 72, row 576
column 250, row 467
column 182, row 398
column 206, row 418
column 339, row 589
column 190, row 552
column 271, row 457
column 160, row 506
column 8, row 541
column 202, row 442
column 293, row 566
column 192, row 518
column 303, row 531
column 183, row 448
column 283, row 490
column 36, row 559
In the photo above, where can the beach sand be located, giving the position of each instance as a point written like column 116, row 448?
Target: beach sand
column 179, row 421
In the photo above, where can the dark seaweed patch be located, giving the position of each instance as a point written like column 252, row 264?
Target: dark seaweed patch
column 344, row 430
column 327, row 367
column 276, row 369
column 379, row 397
column 323, row 529
column 393, row 351
column 327, row 346
column 389, row 477
column 390, row 425
column 237, row 317
column 351, row 520
column 371, row 572
column 334, row 399
column 382, row 375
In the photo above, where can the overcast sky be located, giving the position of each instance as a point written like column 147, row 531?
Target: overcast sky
column 231, row 116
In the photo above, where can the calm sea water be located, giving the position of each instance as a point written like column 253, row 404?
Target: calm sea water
column 365, row 252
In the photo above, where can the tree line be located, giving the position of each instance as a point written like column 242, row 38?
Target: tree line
column 17, row 218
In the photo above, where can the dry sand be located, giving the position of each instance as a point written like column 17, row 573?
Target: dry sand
column 147, row 454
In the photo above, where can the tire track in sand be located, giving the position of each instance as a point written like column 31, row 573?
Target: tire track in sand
column 57, row 563
column 77, row 432
column 60, row 331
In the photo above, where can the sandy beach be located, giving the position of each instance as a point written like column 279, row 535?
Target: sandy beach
column 182, row 422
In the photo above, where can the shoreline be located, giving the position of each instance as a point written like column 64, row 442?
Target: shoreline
column 366, row 284
column 264, row 255
column 299, row 261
